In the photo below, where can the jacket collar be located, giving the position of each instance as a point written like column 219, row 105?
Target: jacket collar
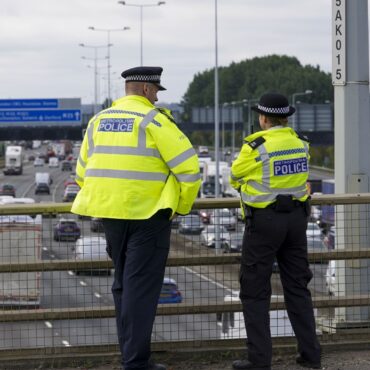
column 133, row 98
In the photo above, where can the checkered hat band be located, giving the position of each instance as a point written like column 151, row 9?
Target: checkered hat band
column 141, row 78
column 282, row 110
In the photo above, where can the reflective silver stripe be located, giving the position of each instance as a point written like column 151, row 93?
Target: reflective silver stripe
column 265, row 165
column 78, row 178
column 264, row 189
column 146, row 152
column 142, row 125
column 268, row 197
column 81, row 162
column 181, row 158
column 188, row 178
column 234, row 177
column 129, row 175
column 90, row 140
column 305, row 144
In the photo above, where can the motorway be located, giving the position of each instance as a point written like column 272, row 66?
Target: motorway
column 63, row 289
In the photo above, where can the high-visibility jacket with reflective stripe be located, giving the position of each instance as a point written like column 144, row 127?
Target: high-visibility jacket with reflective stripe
column 133, row 162
column 278, row 165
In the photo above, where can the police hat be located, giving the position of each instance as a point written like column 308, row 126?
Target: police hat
column 275, row 105
column 144, row 74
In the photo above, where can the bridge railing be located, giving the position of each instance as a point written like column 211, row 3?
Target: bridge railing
column 51, row 303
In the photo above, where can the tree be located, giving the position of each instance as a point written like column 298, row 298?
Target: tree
column 250, row 78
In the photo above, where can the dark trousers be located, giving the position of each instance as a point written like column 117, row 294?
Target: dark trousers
column 282, row 235
column 139, row 250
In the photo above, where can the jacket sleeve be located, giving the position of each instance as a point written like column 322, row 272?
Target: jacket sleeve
column 240, row 168
column 83, row 155
column 181, row 159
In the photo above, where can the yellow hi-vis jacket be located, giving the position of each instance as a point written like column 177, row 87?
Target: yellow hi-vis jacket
column 271, row 162
column 133, row 162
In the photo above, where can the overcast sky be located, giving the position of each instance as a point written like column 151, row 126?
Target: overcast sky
column 40, row 56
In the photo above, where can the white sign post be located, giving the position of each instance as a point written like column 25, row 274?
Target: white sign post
column 339, row 42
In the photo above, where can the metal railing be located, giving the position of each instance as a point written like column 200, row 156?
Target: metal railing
column 209, row 315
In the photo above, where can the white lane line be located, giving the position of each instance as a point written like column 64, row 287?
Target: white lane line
column 83, row 283
column 66, row 343
column 97, row 295
column 48, row 324
column 208, row 279
column 44, row 248
column 70, row 273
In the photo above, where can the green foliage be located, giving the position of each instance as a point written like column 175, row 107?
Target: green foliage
column 251, row 78
column 322, row 156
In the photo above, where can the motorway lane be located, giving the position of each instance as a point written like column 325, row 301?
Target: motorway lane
column 65, row 289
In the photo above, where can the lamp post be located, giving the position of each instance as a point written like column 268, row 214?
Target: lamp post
column 307, row 92
column 95, row 59
column 108, row 31
column 141, row 6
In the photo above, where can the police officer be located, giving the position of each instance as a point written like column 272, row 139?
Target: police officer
column 270, row 173
column 136, row 171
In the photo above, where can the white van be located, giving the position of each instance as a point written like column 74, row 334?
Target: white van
column 43, row 178
column 91, row 248
column 54, row 162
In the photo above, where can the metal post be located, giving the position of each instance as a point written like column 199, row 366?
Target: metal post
column 109, row 92
column 217, row 139
column 233, row 130
column 352, row 136
column 141, row 35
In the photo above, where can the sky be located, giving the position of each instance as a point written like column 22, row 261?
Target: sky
column 41, row 56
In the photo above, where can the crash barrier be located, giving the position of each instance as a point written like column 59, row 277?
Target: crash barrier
column 51, row 303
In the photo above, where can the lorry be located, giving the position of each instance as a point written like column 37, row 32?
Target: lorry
column 14, row 157
column 226, row 189
column 21, row 238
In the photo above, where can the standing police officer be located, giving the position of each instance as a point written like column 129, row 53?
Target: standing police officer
column 271, row 174
column 136, row 170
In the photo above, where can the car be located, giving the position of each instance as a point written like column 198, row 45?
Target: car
column 203, row 150
column 66, row 166
column 42, row 188
column 38, row 162
column 7, row 189
column 313, row 230
column 91, row 248
column 205, row 215
column 224, row 217
column 236, row 243
column 208, row 236
column 66, row 228
column 169, row 292
column 69, row 195
column 70, row 182
column 96, row 225
column 330, row 278
column 190, row 224
column 31, row 157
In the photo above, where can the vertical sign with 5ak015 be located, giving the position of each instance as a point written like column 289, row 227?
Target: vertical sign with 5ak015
column 339, row 42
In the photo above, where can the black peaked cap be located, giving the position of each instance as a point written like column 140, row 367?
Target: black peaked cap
column 144, row 74
column 275, row 105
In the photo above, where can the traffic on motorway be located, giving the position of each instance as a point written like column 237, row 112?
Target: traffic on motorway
column 47, row 175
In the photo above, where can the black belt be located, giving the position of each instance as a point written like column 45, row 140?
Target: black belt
column 296, row 203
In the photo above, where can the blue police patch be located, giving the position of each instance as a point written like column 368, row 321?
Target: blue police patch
column 290, row 166
column 116, row 125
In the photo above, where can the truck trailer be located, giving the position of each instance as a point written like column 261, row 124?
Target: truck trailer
column 13, row 160
column 21, row 240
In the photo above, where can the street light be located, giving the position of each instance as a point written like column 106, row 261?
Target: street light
column 141, row 6
column 95, row 59
column 307, row 92
column 108, row 31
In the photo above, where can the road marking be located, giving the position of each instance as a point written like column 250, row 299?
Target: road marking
column 70, row 273
column 97, row 295
column 44, row 248
column 83, row 283
column 48, row 324
column 52, row 255
column 208, row 279
column 66, row 343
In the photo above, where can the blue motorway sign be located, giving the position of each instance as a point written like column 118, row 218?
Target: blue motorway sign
column 40, row 112
column 52, row 115
column 28, row 103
